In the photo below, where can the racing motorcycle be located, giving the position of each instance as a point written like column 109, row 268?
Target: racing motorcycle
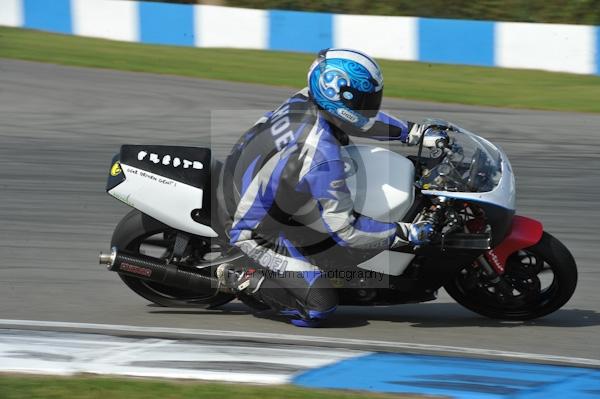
column 490, row 260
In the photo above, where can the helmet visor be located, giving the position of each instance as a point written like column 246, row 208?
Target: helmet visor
column 367, row 104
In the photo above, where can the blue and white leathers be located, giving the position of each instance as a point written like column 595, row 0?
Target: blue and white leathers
column 289, row 158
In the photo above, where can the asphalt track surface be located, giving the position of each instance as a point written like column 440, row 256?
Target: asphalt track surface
column 60, row 126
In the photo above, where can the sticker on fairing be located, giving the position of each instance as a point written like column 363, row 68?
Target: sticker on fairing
column 115, row 170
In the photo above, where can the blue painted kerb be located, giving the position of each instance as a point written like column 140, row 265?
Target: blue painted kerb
column 454, row 377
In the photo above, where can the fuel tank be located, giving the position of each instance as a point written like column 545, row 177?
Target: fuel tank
column 381, row 182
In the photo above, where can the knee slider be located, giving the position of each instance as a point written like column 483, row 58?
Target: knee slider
column 321, row 299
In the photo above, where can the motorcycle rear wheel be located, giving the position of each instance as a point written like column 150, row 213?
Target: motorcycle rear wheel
column 525, row 271
column 139, row 233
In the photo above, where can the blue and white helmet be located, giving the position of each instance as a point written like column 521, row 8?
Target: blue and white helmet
column 348, row 84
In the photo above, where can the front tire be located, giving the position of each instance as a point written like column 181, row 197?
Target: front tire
column 135, row 231
column 527, row 270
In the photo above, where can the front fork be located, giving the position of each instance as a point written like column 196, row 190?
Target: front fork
column 524, row 232
column 492, row 275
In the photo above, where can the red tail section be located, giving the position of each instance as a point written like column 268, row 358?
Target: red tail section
column 524, row 233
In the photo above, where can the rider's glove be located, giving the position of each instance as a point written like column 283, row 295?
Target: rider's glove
column 416, row 234
column 420, row 233
column 435, row 136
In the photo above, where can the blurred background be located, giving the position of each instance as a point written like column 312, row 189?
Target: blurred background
column 551, row 11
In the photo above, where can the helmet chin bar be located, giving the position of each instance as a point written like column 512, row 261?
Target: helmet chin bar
column 342, row 129
column 345, row 126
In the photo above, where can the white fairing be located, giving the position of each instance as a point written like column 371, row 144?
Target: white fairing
column 382, row 188
column 381, row 182
column 164, row 199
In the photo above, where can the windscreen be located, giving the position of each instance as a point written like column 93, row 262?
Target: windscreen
column 473, row 165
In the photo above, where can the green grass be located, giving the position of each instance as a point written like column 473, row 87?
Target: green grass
column 410, row 80
column 34, row 387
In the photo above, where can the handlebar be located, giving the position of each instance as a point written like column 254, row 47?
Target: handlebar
column 448, row 232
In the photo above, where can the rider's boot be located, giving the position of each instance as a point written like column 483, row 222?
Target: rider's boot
column 236, row 279
column 270, row 301
column 244, row 283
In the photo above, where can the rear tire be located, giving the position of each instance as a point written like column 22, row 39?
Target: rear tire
column 523, row 269
column 129, row 235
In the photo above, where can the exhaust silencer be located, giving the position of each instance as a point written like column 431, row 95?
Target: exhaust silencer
column 157, row 270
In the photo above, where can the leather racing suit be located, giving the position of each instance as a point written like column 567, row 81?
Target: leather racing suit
column 288, row 161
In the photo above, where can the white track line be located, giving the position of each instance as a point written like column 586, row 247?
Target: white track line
column 306, row 339
column 71, row 353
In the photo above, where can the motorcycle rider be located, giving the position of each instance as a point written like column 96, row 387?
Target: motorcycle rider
column 289, row 161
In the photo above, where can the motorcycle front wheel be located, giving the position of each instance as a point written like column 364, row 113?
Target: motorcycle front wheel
column 543, row 278
column 141, row 234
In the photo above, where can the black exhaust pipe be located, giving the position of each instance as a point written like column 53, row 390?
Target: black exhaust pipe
column 157, row 270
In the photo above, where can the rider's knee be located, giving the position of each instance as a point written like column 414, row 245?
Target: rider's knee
column 321, row 299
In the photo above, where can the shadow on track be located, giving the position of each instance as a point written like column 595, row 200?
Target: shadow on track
column 448, row 315
column 431, row 315
column 229, row 310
